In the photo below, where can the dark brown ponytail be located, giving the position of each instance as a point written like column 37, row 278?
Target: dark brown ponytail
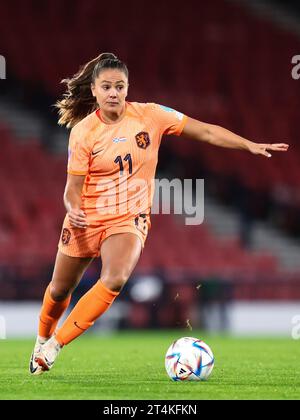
column 78, row 100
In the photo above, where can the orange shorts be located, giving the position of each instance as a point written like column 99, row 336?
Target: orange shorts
column 87, row 242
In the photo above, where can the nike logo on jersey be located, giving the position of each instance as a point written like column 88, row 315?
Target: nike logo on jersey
column 119, row 139
column 96, row 152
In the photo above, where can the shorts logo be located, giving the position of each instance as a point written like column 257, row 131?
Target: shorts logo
column 142, row 140
column 66, row 236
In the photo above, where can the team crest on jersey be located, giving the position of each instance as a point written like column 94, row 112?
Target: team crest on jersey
column 66, row 236
column 142, row 139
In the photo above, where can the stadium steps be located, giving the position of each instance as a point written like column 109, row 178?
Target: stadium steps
column 287, row 249
column 278, row 13
column 27, row 124
column 225, row 222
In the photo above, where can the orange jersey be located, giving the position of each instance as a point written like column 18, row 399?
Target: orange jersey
column 119, row 160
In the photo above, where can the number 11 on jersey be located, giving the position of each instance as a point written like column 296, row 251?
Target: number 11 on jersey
column 119, row 161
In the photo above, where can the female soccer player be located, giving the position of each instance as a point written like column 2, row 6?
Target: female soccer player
column 113, row 152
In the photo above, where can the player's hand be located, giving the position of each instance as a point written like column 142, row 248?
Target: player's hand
column 264, row 149
column 77, row 219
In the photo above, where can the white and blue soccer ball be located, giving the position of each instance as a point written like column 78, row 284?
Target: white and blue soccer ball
column 189, row 359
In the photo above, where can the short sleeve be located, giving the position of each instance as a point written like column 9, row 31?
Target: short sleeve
column 169, row 120
column 79, row 154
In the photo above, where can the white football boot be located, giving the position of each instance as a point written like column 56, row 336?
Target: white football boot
column 48, row 353
column 34, row 367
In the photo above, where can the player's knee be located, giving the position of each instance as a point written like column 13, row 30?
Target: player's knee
column 115, row 281
column 58, row 294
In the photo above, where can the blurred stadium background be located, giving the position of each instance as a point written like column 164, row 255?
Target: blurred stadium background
column 223, row 62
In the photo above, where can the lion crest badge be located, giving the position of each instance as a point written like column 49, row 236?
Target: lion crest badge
column 142, row 139
column 66, row 236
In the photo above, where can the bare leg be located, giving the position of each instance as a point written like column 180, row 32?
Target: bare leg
column 67, row 274
column 120, row 254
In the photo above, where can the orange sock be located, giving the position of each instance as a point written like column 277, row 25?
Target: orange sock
column 93, row 304
column 50, row 314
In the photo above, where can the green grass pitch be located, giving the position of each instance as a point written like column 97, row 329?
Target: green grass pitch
column 130, row 366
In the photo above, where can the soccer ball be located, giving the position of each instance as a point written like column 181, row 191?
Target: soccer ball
column 189, row 359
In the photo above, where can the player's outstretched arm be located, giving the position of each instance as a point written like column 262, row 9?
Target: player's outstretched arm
column 219, row 136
